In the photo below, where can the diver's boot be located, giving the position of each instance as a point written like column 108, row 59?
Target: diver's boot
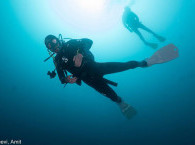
column 164, row 54
column 127, row 110
column 143, row 63
column 152, row 45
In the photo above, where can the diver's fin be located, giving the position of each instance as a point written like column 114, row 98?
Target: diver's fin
column 164, row 54
column 127, row 110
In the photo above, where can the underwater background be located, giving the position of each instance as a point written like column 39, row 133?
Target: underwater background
column 40, row 111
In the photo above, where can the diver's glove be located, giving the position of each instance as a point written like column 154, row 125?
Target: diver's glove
column 71, row 79
column 51, row 74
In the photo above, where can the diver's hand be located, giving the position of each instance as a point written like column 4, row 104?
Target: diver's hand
column 71, row 79
column 78, row 60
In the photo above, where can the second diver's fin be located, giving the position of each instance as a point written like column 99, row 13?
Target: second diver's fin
column 164, row 54
column 127, row 110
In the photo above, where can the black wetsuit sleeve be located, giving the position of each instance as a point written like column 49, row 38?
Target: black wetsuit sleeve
column 78, row 82
column 61, row 75
column 86, row 43
column 84, row 49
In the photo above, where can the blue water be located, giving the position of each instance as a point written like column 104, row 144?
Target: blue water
column 39, row 111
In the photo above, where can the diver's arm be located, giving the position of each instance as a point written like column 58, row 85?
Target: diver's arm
column 128, row 28
column 83, row 43
column 77, row 59
column 71, row 79
column 78, row 82
column 65, row 80
column 61, row 75
column 135, row 17
column 124, row 21
column 125, row 25
column 80, row 46
column 86, row 43
column 83, row 46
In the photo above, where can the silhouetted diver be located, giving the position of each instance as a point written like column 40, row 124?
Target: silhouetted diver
column 131, row 22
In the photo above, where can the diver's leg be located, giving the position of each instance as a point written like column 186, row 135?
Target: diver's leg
column 102, row 87
column 153, row 45
column 146, row 29
column 140, row 35
column 160, row 38
column 114, row 67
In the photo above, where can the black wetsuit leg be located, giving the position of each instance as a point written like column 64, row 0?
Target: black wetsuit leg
column 95, row 78
column 102, row 87
column 114, row 67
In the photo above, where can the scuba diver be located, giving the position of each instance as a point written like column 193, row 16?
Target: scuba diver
column 131, row 22
column 74, row 63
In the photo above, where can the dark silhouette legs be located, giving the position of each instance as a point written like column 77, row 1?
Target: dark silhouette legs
column 153, row 45
column 115, row 67
column 160, row 38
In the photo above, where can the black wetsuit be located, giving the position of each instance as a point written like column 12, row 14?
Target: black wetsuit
column 90, row 72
